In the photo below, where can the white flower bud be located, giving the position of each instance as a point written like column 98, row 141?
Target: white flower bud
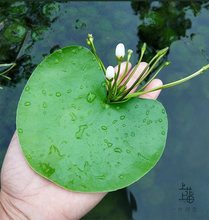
column 120, row 51
column 110, row 72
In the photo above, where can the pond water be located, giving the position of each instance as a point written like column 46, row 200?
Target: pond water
column 30, row 30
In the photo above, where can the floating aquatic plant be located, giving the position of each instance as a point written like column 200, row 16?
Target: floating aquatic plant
column 80, row 127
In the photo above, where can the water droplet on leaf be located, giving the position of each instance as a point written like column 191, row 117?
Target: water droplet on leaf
column 44, row 105
column 91, row 97
column 80, row 131
column 122, row 117
column 27, row 103
column 121, row 176
column 104, row 127
column 117, row 150
column 128, row 151
column 58, row 94
column 114, row 121
column 20, row 130
column 73, row 116
column 27, row 88
column 132, row 134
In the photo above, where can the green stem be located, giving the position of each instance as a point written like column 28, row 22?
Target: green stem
column 93, row 49
column 200, row 71
column 154, row 76
column 144, row 74
column 135, row 68
column 126, row 69
column 109, row 82
column 116, row 78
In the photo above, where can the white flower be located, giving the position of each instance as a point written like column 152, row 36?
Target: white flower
column 110, row 72
column 120, row 51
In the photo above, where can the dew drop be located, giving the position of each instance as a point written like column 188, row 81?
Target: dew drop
column 124, row 125
column 84, row 68
column 74, row 51
column 94, row 59
column 122, row 117
column 59, row 51
column 20, row 130
column 81, row 87
column 160, row 120
column 44, row 92
column 128, row 151
column 56, row 61
column 27, row 88
column 163, row 111
column 73, row 116
column 117, row 150
column 100, row 177
column 103, row 84
column 132, row 134
column 80, row 131
column 118, row 107
column 105, row 140
column 109, row 144
column 103, row 127
column 149, row 122
column 121, row 176
column 27, row 103
column 28, row 156
column 58, row 94
column 46, row 169
column 147, row 112
column 163, row 132
column 69, row 90
column 115, row 121
column 44, row 105
column 91, row 97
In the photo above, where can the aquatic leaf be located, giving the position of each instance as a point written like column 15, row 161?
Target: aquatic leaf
column 69, row 134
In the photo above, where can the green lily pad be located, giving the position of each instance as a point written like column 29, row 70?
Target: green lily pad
column 69, row 134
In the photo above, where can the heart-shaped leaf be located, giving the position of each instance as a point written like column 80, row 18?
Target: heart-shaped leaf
column 69, row 134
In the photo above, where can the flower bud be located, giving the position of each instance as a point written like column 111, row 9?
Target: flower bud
column 90, row 39
column 110, row 72
column 120, row 51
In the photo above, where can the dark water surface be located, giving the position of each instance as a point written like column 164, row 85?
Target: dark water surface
column 30, row 30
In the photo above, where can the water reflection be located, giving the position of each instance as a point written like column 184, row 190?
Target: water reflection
column 116, row 205
column 163, row 22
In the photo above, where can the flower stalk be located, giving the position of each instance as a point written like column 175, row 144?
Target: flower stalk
column 90, row 42
column 117, row 90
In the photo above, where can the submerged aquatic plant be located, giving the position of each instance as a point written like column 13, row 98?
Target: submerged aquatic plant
column 80, row 127
column 8, row 67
